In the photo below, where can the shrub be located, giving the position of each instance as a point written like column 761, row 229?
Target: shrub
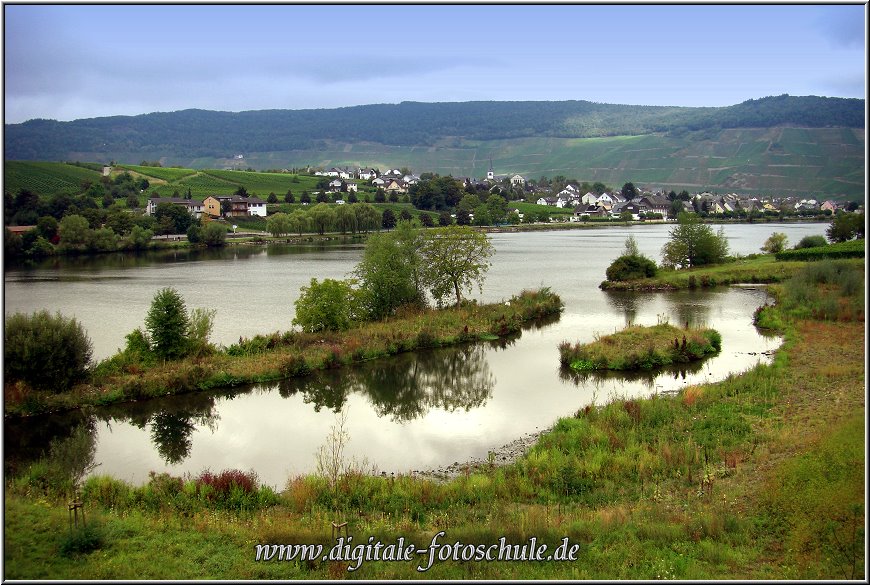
column 630, row 268
column 81, row 540
column 811, row 242
column 45, row 351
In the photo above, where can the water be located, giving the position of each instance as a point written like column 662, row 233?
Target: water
column 415, row 411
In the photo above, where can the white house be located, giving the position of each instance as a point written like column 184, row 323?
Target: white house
column 518, row 181
column 256, row 207
column 378, row 182
column 352, row 188
column 589, row 199
column 367, row 174
column 335, row 184
column 195, row 208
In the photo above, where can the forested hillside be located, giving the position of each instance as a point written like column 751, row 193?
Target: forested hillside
column 190, row 134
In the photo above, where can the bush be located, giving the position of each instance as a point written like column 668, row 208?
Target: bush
column 325, row 306
column 81, row 540
column 811, row 242
column 47, row 352
column 630, row 268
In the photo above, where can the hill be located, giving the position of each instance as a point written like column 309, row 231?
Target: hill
column 788, row 144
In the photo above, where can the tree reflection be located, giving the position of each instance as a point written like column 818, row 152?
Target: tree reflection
column 172, row 420
column 647, row 377
column 623, row 301
column 405, row 386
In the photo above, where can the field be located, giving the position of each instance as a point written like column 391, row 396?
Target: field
column 45, row 177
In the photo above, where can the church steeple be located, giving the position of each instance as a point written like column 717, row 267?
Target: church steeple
column 489, row 174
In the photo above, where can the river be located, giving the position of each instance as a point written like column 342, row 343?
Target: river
column 416, row 411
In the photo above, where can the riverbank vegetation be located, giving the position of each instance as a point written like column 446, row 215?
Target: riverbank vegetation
column 755, row 269
column 641, row 348
column 759, row 476
column 382, row 313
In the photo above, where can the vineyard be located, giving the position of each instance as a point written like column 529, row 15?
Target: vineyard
column 164, row 174
column 45, row 178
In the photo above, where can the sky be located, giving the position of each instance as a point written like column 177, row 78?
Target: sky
column 67, row 62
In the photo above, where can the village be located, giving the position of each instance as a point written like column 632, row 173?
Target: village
column 582, row 200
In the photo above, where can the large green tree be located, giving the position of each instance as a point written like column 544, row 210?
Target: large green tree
column 391, row 272
column 694, row 243
column 455, row 259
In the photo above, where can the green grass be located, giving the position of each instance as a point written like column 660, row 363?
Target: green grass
column 641, row 348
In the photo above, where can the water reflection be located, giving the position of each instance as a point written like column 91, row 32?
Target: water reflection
column 404, row 387
column 648, row 378
column 172, row 421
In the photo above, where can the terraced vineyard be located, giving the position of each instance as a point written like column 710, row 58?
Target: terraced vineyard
column 45, row 178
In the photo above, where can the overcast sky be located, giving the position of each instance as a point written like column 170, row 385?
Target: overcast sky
column 83, row 61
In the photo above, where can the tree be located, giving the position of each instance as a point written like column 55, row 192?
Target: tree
column 454, row 259
column 393, row 197
column 426, row 220
column 322, row 197
column 379, row 196
column 497, row 208
column 846, row 226
column 140, row 237
column 388, row 219
column 279, row 224
column 325, row 306
column 300, row 221
column 629, row 191
column 345, row 219
column 775, row 243
column 322, row 217
column 598, row 188
column 444, row 219
column 241, row 192
column 390, row 271
column 214, row 235
column 305, row 198
column 176, row 217
column 367, row 217
column 693, row 243
column 74, row 232
column 167, row 324
column 288, row 197
column 463, row 217
column 48, row 352
column 272, row 198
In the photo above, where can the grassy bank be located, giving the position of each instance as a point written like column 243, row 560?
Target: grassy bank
column 759, row 476
column 761, row 269
column 641, row 348
column 266, row 358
